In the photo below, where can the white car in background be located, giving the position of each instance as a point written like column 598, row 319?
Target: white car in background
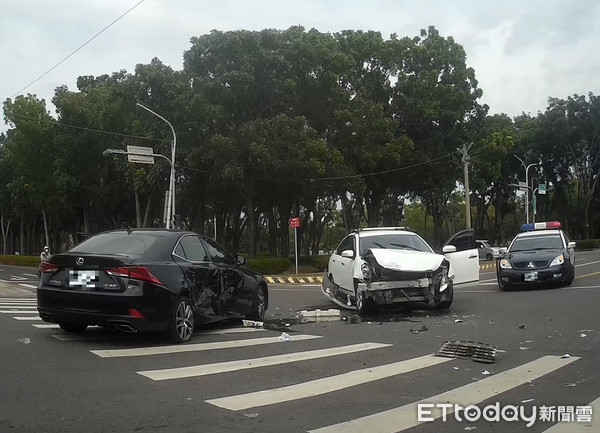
column 381, row 267
column 488, row 251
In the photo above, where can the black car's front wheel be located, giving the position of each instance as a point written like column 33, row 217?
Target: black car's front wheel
column 259, row 304
column 444, row 299
column 181, row 325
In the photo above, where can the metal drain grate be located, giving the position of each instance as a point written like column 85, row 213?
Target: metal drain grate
column 480, row 352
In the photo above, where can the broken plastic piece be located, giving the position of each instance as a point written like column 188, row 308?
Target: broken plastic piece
column 570, row 384
column 583, row 335
column 522, row 326
column 458, row 321
column 24, row 340
column 528, row 400
column 252, row 323
column 566, row 355
column 284, row 337
column 250, row 415
column 470, row 427
column 421, row 329
column 485, row 373
column 480, row 352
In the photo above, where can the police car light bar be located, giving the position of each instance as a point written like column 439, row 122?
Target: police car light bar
column 540, row 226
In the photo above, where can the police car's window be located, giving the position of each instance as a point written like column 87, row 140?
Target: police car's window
column 544, row 242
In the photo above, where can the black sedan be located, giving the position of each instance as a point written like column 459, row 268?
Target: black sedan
column 540, row 256
column 148, row 280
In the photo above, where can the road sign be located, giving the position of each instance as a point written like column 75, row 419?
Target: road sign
column 295, row 222
column 138, row 154
column 542, row 189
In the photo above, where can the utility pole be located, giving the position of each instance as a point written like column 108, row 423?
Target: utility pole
column 465, row 160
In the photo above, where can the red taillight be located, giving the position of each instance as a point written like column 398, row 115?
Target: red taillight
column 135, row 272
column 49, row 267
column 135, row 313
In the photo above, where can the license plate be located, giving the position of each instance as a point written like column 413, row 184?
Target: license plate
column 86, row 279
column 530, row 276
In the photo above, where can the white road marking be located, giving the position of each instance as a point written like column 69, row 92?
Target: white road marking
column 230, row 331
column 242, row 364
column 579, row 427
column 405, row 417
column 29, row 286
column 325, row 385
column 198, row 347
column 47, row 326
column 18, row 311
column 17, row 278
column 27, row 318
column 30, row 275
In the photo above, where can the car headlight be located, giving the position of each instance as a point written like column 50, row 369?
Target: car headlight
column 505, row 264
column 559, row 260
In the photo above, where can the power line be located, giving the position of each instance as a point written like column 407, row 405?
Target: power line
column 83, row 45
column 98, row 131
column 431, row 161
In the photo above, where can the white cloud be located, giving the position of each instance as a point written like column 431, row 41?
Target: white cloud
column 522, row 52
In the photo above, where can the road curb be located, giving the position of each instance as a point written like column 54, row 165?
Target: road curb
column 274, row 279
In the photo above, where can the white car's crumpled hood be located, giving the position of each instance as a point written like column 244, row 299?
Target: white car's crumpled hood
column 405, row 260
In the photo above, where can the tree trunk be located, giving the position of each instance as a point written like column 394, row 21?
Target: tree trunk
column 138, row 208
column 147, row 212
column 272, row 233
column 22, row 237
column 4, row 234
column 86, row 221
column 45, row 226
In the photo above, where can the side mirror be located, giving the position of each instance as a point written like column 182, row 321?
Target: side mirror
column 571, row 244
column 449, row 249
column 241, row 260
column 349, row 254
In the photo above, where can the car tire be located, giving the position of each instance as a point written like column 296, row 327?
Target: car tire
column 570, row 278
column 72, row 327
column 505, row 287
column 443, row 303
column 259, row 304
column 181, row 321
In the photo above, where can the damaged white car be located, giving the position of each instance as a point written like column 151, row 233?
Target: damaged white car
column 381, row 267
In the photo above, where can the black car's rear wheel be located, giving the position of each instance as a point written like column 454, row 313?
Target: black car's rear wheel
column 259, row 304
column 72, row 327
column 181, row 325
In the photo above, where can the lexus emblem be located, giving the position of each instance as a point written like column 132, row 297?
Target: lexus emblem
column 79, row 261
column 530, row 265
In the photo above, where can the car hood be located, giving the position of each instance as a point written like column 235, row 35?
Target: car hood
column 405, row 260
column 536, row 255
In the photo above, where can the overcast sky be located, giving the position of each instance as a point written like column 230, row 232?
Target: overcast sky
column 522, row 51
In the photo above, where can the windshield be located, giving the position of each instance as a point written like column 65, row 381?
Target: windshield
column 396, row 241
column 134, row 244
column 543, row 242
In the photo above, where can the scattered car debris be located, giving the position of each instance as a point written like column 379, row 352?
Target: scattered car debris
column 528, row 400
column 252, row 323
column 284, row 337
column 24, row 340
column 523, row 348
column 470, row 427
column 491, row 322
column 458, row 321
column 582, row 335
column 454, row 368
column 570, row 384
column 522, row 326
column 485, row 373
column 421, row 329
column 566, row 355
column 320, row 313
column 250, row 415
column 480, row 352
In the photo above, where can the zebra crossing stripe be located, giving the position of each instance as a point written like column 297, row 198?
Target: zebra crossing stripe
column 18, row 311
column 47, row 326
column 27, row 318
column 242, row 364
column 579, row 427
column 179, row 348
column 325, row 385
column 405, row 417
column 20, row 306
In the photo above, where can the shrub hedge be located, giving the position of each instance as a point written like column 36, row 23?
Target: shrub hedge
column 11, row 259
column 587, row 244
column 269, row 265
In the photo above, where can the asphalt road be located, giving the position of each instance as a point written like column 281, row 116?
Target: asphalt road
column 341, row 375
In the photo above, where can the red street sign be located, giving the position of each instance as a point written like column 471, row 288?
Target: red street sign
column 295, row 222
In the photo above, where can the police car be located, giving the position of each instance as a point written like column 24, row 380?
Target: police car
column 541, row 255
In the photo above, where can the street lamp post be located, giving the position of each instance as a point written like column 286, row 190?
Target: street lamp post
column 171, row 204
column 527, row 167
column 108, row 152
